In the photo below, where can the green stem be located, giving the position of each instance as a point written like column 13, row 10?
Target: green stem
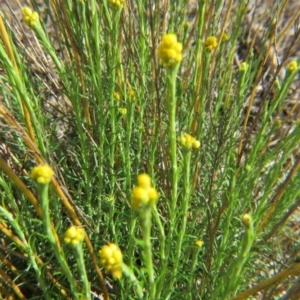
column 145, row 217
column 183, row 210
column 130, row 275
column 171, row 104
column 237, row 266
column 82, row 270
column 171, row 76
column 43, row 193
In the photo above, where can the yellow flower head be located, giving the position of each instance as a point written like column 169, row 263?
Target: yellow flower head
column 292, row 66
column 140, row 197
column 31, row 17
column 211, row 43
column 225, row 37
column 199, row 243
column 247, row 219
column 74, row 236
column 116, row 3
column 42, row 174
column 169, row 51
column 189, row 142
column 143, row 194
column 153, row 195
column 117, row 96
column 186, row 24
column 243, row 66
column 123, row 111
column 144, row 180
column 112, row 259
column 131, row 95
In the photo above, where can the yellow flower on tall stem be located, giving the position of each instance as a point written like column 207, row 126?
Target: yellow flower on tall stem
column 31, row 17
column 143, row 194
column 42, row 174
column 170, row 51
column 74, row 235
column 292, row 66
column 111, row 258
column 210, row 43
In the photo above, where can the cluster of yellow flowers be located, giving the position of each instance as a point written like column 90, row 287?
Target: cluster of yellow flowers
column 117, row 96
column 31, row 17
column 243, row 66
column 189, row 142
column 170, row 51
column 292, row 66
column 123, row 111
column 42, row 174
column 116, row 3
column 131, row 95
column 225, row 37
column 74, row 236
column 211, row 43
column 112, row 259
column 143, row 194
column 199, row 243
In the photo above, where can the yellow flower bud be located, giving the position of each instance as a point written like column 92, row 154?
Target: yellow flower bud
column 199, row 243
column 31, row 17
column 42, row 174
column 111, row 258
column 186, row 24
column 246, row 219
column 292, row 66
column 188, row 141
column 116, row 272
column 74, row 236
column 143, row 194
column 131, row 95
column 225, row 37
column 123, row 111
column 182, row 140
column 140, row 196
column 153, row 195
column 169, row 40
column 117, row 96
column 144, row 180
column 243, row 66
column 169, row 51
column 116, row 3
column 211, row 43
column 196, row 144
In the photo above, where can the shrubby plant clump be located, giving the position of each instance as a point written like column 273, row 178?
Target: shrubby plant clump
column 149, row 150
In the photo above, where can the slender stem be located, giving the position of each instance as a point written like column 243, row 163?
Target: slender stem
column 171, row 103
column 82, row 270
column 145, row 217
column 51, row 235
column 130, row 275
column 183, row 210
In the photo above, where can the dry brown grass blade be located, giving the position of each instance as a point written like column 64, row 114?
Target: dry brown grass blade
column 268, row 282
column 65, row 23
column 278, row 195
column 12, row 285
column 7, row 44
